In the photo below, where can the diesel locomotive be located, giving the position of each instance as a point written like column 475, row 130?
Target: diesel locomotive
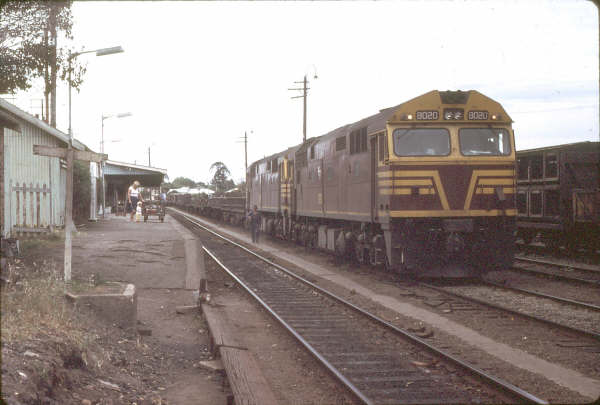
column 425, row 187
column 427, row 184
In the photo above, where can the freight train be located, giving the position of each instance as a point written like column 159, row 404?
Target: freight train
column 427, row 185
column 558, row 195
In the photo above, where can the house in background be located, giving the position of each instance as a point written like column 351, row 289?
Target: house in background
column 33, row 187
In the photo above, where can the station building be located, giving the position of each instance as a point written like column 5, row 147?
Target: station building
column 33, row 187
column 118, row 176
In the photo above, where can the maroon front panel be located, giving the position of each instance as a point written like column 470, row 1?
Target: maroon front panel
column 465, row 187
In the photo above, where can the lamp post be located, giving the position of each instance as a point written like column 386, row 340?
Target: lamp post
column 104, row 117
column 99, row 52
column 69, row 186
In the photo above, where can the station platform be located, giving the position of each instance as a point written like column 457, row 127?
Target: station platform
column 161, row 260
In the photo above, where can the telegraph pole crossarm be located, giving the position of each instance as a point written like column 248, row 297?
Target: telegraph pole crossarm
column 304, row 95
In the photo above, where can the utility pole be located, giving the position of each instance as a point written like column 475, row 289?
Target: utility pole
column 304, row 95
column 246, row 155
column 304, row 115
column 245, row 140
column 149, row 156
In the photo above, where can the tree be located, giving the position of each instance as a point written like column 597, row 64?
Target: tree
column 81, row 190
column 219, row 180
column 183, row 182
column 242, row 186
column 29, row 48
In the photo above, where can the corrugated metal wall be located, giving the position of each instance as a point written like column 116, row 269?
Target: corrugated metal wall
column 33, row 184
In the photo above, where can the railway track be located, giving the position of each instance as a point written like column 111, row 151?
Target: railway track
column 563, row 300
column 592, row 256
column 377, row 361
column 558, row 271
column 459, row 300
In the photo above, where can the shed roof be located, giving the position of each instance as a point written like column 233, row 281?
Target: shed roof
column 576, row 145
column 126, row 173
column 12, row 117
column 114, row 167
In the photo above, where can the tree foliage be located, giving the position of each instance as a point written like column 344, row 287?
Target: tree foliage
column 220, row 180
column 183, row 182
column 29, row 46
column 81, row 190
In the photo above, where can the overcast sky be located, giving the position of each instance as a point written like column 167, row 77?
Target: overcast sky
column 196, row 75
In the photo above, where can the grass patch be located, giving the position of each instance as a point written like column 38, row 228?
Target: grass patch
column 35, row 305
column 50, row 240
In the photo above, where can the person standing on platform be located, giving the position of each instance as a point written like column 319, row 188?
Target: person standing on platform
column 133, row 196
column 254, row 223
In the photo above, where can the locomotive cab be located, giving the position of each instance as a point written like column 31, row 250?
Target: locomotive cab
column 446, row 192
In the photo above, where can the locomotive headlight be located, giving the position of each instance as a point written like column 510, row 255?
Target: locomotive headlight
column 494, row 117
column 409, row 116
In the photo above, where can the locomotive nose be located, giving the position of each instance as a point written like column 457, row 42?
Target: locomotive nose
column 455, row 243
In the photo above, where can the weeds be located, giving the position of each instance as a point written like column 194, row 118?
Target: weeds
column 35, row 304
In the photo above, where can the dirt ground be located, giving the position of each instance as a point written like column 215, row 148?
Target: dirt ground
column 54, row 354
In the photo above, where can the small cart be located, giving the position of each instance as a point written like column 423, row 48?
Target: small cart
column 153, row 207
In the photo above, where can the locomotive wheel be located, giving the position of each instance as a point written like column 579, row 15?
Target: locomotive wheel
column 360, row 253
column 527, row 236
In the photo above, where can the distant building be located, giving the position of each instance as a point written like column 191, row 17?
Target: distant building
column 118, row 176
column 33, row 187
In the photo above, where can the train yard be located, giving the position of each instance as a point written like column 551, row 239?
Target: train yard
column 558, row 334
column 386, row 270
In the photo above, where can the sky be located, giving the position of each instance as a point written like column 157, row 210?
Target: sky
column 197, row 75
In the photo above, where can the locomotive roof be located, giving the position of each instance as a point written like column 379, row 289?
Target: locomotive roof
column 435, row 98
column 377, row 122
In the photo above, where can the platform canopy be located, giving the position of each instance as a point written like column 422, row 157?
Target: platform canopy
column 122, row 173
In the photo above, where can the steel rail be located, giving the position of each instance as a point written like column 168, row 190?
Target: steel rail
column 290, row 329
column 485, row 377
column 587, row 333
column 541, row 249
column 584, row 305
column 556, row 276
column 550, row 263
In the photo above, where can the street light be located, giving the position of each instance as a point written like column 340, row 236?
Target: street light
column 99, row 52
column 104, row 117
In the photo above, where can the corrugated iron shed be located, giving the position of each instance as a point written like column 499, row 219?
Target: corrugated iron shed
column 33, row 187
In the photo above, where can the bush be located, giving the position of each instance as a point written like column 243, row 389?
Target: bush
column 81, row 191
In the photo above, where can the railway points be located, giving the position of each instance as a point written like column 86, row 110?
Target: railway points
column 584, row 276
column 576, row 303
column 329, row 276
column 584, row 268
column 580, row 321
